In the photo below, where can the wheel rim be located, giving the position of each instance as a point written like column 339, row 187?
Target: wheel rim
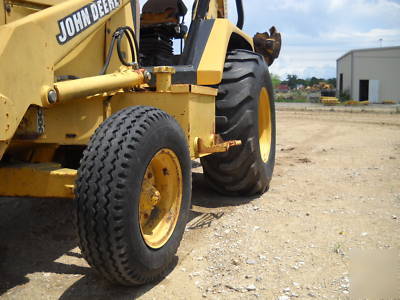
column 264, row 125
column 160, row 198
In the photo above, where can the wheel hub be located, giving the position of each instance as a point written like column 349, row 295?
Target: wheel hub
column 264, row 125
column 160, row 198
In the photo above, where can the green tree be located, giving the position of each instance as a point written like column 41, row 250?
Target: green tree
column 332, row 81
column 302, row 82
column 315, row 80
column 275, row 80
column 292, row 81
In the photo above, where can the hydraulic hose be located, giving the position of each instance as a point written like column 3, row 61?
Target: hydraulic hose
column 119, row 33
column 133, row 45
column 240, row 12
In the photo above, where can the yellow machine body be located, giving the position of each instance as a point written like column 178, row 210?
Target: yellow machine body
column 36, row 48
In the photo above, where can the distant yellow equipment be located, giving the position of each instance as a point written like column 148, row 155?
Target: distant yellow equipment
column 330, row 100
column 355, row 103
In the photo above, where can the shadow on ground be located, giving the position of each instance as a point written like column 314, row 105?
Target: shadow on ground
column 35, row 233
column 204, row 196
column 92, row 286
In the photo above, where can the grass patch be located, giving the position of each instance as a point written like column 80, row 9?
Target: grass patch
column 291, row 101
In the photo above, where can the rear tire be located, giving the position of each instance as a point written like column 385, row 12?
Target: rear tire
column 112, row 198
column 245, row 111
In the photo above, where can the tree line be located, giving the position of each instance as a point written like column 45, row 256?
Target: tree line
column 293, row 81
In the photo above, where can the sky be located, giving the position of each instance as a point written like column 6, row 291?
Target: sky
column 316, row 33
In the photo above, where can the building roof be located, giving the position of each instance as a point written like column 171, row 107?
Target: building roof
column 367, row 49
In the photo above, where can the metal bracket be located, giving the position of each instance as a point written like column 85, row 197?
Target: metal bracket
column 163, row 78
column 218, row 145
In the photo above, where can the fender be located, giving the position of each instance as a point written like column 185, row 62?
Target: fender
column 202, row 61
column 211, row 66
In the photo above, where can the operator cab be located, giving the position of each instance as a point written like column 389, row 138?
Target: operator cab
column 161, row 23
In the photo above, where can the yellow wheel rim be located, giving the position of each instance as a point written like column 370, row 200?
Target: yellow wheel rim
column 264, row 125
column 160, row 198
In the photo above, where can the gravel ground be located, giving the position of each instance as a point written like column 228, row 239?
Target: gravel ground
column 318, row 107
column 335, row 191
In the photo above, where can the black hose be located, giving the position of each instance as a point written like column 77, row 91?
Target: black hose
column 240, row 11
column 109, row 54
column 130, row 35
column 117, row 36
column 119, row 33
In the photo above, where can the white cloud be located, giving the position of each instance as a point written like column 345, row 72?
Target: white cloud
column 336, row 4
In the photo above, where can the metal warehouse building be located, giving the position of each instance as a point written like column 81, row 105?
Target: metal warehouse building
column 370, row 74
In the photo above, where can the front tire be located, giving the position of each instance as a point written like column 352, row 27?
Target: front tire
column 133, row 195
column 245, row 111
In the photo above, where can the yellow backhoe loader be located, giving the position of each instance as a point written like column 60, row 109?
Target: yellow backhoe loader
column 96, row 107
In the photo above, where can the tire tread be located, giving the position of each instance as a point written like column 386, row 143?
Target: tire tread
column 99, row 195
column 239, row 171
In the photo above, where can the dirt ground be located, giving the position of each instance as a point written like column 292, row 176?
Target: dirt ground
column 336, row 189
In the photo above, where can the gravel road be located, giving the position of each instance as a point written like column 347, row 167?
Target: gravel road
column 335, row 191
